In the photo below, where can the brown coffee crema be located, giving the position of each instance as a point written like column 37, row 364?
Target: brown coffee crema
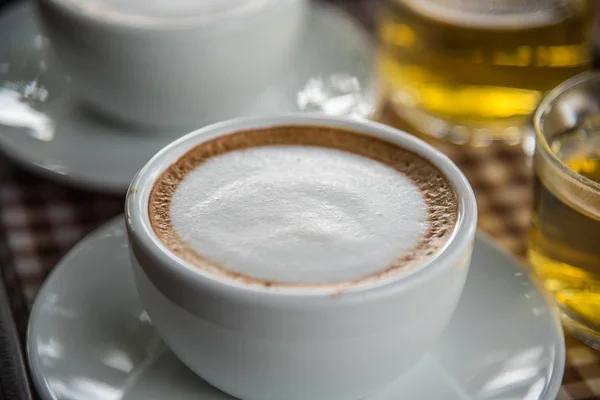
column 438, row 194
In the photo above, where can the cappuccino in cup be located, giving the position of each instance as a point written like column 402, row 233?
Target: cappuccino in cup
column 171, row 63
column 302, row 206
column 300, row 257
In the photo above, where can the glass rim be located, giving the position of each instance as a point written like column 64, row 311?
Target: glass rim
column 549, row 100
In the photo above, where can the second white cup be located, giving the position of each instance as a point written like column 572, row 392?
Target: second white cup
column 159, row 70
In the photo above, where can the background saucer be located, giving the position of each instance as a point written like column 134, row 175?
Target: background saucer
column 89, row 337
column 45, row 130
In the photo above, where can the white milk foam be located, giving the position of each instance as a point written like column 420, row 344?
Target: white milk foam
column 298, row 213
column 174, row 8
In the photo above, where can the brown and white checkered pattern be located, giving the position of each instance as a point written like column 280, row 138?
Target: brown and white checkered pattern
column 42, row 221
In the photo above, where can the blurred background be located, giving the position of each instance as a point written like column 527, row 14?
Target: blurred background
column 464, row 75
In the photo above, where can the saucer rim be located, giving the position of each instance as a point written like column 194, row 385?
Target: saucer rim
column 43, row 390
column 558, row 368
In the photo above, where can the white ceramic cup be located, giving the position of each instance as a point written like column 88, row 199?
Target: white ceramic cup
column 171, row 71
column 257, row 343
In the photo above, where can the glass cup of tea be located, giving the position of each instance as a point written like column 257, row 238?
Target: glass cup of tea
column 472, row 72
column 564, row 243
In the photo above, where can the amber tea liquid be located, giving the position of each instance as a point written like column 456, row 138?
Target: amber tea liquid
column 474, row 70
column 564, row 248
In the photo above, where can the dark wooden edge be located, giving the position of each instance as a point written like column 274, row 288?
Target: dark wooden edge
column 15, row 383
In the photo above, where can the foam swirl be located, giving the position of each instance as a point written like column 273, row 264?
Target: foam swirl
column 302, row 206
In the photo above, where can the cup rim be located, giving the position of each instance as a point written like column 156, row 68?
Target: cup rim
column 95, row 13
column 139, row 226
column 545, row 105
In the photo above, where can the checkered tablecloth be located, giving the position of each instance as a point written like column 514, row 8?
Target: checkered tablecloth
column 40, row 221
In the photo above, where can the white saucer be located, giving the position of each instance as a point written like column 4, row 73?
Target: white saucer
column 89, row 337
column 43, row 129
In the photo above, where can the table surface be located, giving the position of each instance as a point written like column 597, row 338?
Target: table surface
column 41, row 220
